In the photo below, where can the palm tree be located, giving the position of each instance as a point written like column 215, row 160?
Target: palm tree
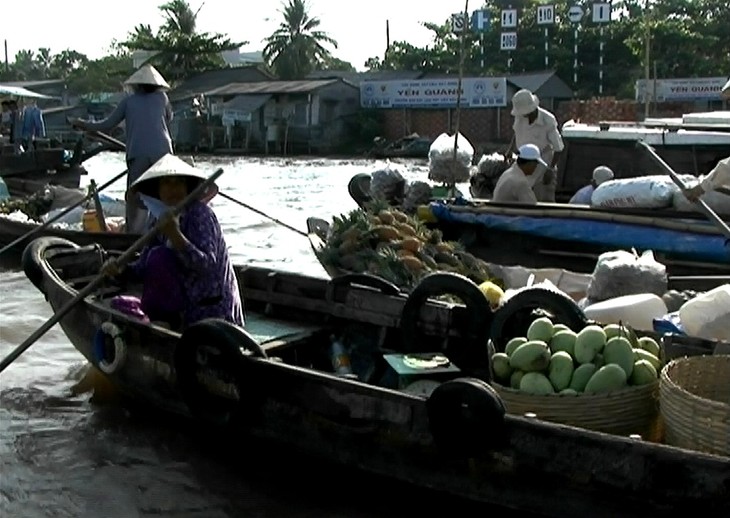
column 178, row 48
column 297, row 47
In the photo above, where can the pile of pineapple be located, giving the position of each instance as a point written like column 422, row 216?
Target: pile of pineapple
column 391, row 244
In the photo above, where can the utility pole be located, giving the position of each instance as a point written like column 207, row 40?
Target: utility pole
column 647, row 54
column 387, row 38
column 7, row 62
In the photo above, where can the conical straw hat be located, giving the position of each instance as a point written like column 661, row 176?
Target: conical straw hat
column 169, row 165
column 147, row 75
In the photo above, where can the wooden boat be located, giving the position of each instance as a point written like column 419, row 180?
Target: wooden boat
column 411, row 146
column 692, row 144
column 274, row 381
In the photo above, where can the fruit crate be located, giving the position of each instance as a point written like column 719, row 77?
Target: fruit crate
column 695, row 403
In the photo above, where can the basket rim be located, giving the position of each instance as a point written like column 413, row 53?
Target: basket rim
column 603, row 395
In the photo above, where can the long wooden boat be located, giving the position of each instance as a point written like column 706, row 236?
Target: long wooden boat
column 274, row 381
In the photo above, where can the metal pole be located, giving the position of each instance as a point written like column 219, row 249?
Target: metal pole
column 647, row 51
column 482, row 50
column 546, row 48
column 600, row 63
column 575, row 57
column 7, row 62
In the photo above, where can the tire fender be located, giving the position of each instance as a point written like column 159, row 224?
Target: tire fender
column 222, row 347
column 470, row 352
column 109, row 359
column 515, row 316
column 466, row 417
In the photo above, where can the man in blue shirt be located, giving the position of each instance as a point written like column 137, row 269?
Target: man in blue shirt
column 583, row 196
column 34, row 126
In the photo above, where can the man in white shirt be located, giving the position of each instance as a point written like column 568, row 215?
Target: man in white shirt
column 718, row 177
column 514, row 185
column 535, row 125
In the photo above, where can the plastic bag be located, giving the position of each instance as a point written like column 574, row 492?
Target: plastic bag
column 388, row 184
column 488, row 170
column 620, row 273
column 417, row 193
column 717, row 201
column 708, row 315
column 649, row 192
column 442, row 167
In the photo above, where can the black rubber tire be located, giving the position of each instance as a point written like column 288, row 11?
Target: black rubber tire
column 514, row 317
column 368, row 280
column 466, row 417
column 470, row 352
column 359, row 189
column 226, row 342
column 32, row 260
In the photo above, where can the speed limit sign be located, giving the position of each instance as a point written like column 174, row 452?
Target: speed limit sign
column 509, row 41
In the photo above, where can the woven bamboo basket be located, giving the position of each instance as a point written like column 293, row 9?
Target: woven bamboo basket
column 633, row 410
column 695, row 403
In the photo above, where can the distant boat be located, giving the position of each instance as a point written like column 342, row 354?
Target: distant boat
column 411, row 146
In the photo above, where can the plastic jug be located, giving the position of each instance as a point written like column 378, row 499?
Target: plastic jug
column 90, row 221
column 708, row 315
column 637, row 311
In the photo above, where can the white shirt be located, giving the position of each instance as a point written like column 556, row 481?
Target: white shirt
column 543, row 132
column 718, row 177
column 513, row 186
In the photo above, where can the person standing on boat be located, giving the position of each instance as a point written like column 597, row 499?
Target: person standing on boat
column 5, row 118
column 513, row 185
column 186, row 271
column 718, row 177
column 34, row 126
column 147, row 115
column 583, row 196
column 536, row 125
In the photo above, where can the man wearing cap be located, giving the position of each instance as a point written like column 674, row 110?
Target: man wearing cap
column 147, row 114
column 718, row 177
column 535, row 125
column 514, row 185
column 583, row 196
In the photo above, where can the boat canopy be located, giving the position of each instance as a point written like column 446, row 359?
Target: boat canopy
column 19, row 91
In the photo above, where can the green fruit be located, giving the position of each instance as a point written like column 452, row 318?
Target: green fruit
column 560, row 327
column 608, row 378
column 531, row 356
column 644, row 373
column 514, row 344
column 563, row 340
column 589, row 342
column 560, row 370
column 613, row 330
column 568, row 392
column 536, row 383
column 500, row 366
column 540, row 329
column 649, row 344
column 641, row 354
column 599, row 361
column 514, row 380
column 618, row 350
column 581, row 375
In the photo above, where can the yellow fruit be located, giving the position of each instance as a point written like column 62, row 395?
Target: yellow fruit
column 400, row 216
column 405, row 229
column 412, row 263
column 386, row 232
column 386, row 217
column 412, row 244
column 444, row 247
column 405, row 253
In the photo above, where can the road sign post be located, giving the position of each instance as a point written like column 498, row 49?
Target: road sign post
column 508, row 40
column 546, row 17
column 575, row 15
column 601, row 15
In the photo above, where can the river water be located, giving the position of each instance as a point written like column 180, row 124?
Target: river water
column 64, row 456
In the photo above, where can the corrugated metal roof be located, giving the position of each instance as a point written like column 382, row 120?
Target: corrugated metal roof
column 371, row 75
column 247, row 103
column 271, row 87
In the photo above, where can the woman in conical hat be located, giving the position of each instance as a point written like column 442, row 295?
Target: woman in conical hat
column 186, row 271
column 147, row 115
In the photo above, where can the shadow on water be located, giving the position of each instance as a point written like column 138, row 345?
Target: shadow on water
column 92, row 460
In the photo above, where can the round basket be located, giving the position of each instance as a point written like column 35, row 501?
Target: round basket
column 633, row 410
column 695, row 403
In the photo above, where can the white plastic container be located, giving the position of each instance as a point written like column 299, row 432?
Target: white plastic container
column 637, row 311
column 708, row 315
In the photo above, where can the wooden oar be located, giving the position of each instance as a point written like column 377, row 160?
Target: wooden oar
column 677, row 180
column 60, row 215
column 89, row 288
column 257, row 211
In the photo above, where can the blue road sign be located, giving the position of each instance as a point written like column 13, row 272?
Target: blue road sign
column 480, row 20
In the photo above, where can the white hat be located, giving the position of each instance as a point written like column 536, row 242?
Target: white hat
column 530, row 152
column 147, row 75
column 524, row 102
column 726, row 90
column 170, row 165
column 602, row 174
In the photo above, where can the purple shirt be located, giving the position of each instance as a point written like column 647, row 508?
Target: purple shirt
column 203, row 269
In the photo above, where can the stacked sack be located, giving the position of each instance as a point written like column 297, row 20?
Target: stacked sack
column 443, row 166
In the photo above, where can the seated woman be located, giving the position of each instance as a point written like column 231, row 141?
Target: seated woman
column 185, row 270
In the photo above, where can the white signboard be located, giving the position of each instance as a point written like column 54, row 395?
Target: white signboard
column 575, row 14
column 689, row 89
column 458, row 23
column 545, row 14
column 509, row 18
column 476, row 92
column 508, row 41
column 601, row 13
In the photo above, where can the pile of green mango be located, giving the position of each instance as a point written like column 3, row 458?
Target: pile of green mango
column 553, row 359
